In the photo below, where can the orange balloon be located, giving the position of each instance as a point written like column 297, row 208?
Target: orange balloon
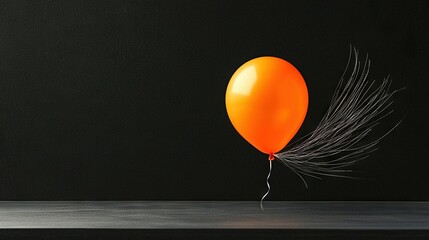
column 267, row 100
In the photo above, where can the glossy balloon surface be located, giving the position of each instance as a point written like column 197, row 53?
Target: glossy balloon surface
column 266, row 101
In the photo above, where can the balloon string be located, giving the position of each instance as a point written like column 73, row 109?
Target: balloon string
column 268, row 185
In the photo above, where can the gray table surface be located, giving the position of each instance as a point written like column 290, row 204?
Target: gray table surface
column 215, row 215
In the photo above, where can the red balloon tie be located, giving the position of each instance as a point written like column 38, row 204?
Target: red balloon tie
column 271, row 157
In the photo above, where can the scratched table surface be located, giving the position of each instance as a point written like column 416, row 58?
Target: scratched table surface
column 214, row 215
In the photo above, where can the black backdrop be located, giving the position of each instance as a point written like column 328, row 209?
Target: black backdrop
column 108, row 100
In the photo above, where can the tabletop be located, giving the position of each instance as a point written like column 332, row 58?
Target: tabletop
column 240, row 216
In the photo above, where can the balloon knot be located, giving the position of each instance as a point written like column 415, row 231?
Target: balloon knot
column 271, row 157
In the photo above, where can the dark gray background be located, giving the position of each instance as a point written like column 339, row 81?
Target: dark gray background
column 125, row 99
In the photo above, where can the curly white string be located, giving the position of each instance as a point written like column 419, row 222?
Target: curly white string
column 268, row 186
